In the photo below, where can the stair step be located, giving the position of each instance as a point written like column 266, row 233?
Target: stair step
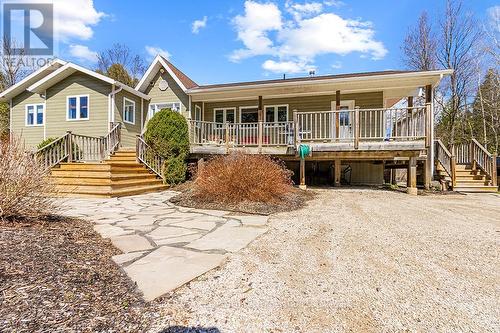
column 84, row 166
column 139, row 190
column 476, row 189
column 113, row 182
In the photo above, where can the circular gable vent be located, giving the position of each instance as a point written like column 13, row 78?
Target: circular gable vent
column 163, row 85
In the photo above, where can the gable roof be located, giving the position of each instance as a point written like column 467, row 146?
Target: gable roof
column 22, row 85
column 68, row 69
column 179, row 77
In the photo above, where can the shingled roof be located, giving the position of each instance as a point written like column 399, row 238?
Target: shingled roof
column 186, row 81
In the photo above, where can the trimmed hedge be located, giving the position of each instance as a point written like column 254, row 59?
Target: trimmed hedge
column 167, row 133
column 46, row 142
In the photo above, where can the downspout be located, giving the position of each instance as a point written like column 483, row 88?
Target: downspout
column 10, row 119
column 142, row 115
column 111, row 105
column 45, row 114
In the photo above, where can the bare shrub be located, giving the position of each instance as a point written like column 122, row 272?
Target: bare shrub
column 24, row 184
column 238, row 178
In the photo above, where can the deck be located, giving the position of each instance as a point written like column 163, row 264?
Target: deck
column 358, row 130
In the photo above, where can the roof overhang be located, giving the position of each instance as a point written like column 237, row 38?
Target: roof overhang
column 22, row 85
column 403, row 83
column 68, row 69
column 153, row 68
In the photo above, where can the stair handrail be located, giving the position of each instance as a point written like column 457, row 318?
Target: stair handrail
column 149, row 157
column 112, row 140
column 446, row 159
column 55, row 152
column 484, row 160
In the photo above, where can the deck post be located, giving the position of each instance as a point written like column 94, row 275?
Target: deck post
column 409, row 115
column 302, row 173
column 226, row 136
column 472, row 157
column 412, row 176
column 494, row 175
column 260, row 126
column 69, row 146
column 137, row 148
column 357, row 127
column 337, row 114
column 200, row 165
column 453, row 167
column 338, row 167
column 101, row 148
column 296, row 139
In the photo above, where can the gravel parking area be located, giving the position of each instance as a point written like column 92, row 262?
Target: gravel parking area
column 356, row 260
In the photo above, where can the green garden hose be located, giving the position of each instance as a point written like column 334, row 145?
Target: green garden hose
column 304, row 150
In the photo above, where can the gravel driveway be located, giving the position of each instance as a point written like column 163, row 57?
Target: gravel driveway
column 357, row 260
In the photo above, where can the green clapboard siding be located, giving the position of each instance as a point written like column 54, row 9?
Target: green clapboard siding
column 128, row 131
column 174, row 93
column 56, row 109
column 31, row 135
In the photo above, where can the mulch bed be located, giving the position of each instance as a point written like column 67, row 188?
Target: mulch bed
column 57, row 275
column 296, row 199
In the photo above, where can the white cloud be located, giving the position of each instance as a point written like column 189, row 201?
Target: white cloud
column 75, row 19
column 297, row 38
column 286, row 66
column 199, row 24
column 153, row 51
column 83, row 53
column 337, row 65
column 253, row 28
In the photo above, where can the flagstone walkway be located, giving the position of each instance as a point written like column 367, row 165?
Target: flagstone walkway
column 165, row 246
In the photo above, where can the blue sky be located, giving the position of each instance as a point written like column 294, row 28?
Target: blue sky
column 248, row 40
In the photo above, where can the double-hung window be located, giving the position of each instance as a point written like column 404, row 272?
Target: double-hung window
column 35, row 114
column 128, row 111
column 276, row 113
column 77, row 107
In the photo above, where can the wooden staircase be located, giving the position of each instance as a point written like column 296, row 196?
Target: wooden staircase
column 119, row 175
column 468, row 167
column 469, row 180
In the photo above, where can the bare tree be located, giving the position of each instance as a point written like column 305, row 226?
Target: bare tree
column 13, row 68
column 120, row 54
column 419, row 48
column 459, row 38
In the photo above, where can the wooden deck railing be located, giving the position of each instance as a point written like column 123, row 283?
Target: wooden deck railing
column 77, row 148
column 340, row 126
column 242, row 134
column 149, row 157
column 393, row 124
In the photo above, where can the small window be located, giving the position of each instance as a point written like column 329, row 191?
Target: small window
column 78, row 108
column 34, row 114
column 249, row 114
column 128, row 111
column 276, row 113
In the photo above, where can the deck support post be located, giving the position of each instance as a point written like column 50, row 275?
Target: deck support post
column 393, row 177
column 412, row 176
column 338, row 168
column 260, row 125
column 428, row 165
column 200, row 165
column 494, row 175
column 302, row 174
column 453, row 169
column 69, row 146
column 472, row 157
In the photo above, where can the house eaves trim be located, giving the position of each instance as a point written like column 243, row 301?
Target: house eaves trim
column 7, row 92
column 438, row 73
column 143, row 83
column 73, row 68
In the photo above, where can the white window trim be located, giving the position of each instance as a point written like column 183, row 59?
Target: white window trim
column 224, row 113
column 35, row 123
column 77, row 108
column 247, row 107
column 125, row 99
column 276, row 111
column 197, row 108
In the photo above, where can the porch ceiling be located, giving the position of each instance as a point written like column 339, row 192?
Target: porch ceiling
column 393, row 85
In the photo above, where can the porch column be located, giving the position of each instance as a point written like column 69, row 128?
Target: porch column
column 409, row 116
column 412, row 176
column 260, row 125
column 201, row 164
column 337, row 115
column 338, row 169
column 428, row 165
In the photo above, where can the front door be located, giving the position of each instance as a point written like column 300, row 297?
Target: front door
column 344, row 120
